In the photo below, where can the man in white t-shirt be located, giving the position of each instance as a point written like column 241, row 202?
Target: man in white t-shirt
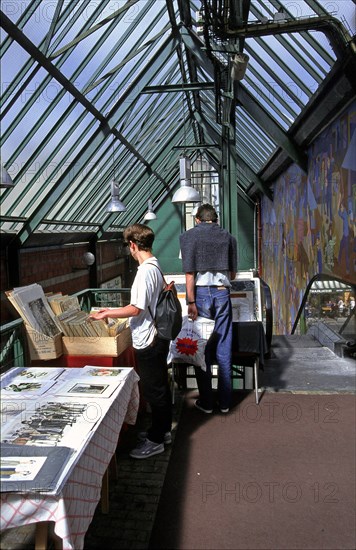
column 151, row 351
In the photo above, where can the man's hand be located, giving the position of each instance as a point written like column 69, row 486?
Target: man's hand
column 192, row 311
column 101, row 314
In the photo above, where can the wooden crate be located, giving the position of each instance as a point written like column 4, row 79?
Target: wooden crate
column 110, row 346
column 43, row 347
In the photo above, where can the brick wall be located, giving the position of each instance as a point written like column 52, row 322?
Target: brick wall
column 60, row 269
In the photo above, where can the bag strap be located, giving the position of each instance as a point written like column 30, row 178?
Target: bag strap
column 159, row 269
column 164, row 280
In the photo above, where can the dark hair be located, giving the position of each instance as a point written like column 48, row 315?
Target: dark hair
column 140, row 234
column 206, row 213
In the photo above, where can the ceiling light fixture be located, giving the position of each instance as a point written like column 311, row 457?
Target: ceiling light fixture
column 115, row 204
column 5, row 180
column 185, row 193
column 150, row 215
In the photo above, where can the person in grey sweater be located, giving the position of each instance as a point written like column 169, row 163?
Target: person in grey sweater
column 209, row 259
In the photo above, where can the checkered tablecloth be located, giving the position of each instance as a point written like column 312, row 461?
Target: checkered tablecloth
column 73, row 509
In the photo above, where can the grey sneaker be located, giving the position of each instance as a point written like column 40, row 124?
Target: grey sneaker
column 141, row 436
column 197, row 405
column 147, row 448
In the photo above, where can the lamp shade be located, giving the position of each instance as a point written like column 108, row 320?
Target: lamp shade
column 150, row 215
column 5, row 179
column 115, row 204
column 186, row 193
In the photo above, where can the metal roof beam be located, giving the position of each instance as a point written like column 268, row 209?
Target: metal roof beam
column 35, row 53
column 90, row 31
column 245, row 99
column 100, row 135
column 253, row 178
column 196, row 46
column 251, row 105
column 16, row 87
column 184, row 87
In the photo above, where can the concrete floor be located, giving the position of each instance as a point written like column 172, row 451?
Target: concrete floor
column 300, row 363
column 296, row 364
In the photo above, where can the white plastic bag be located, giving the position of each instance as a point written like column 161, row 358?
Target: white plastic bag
column 189, row 346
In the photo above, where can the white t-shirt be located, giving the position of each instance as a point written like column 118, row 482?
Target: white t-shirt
column 145, row 290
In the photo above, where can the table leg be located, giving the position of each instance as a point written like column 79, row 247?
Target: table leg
column 54, row 539
column 255, row 372
column 113, row 467
column 58, row 543
column 41, row 536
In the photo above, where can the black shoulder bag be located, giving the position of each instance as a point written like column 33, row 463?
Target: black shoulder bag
column 168, row 319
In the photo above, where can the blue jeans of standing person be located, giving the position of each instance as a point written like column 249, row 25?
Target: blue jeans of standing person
column 215, row 303
column 153, row 371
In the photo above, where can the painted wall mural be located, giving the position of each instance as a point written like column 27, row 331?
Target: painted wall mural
column 309, row 228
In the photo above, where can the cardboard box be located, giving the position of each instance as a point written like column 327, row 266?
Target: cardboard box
column 110, row 346
column 43, row 347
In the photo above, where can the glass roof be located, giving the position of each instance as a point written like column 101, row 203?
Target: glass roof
column 92, row 91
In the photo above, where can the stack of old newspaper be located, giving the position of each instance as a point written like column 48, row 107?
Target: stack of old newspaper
column 72, row 320
column 32, row 305
column 53, row 314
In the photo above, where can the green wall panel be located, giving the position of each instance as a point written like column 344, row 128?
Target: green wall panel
column 245, row 235
column 167, row 227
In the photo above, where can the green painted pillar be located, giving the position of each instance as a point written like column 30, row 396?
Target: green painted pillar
column 228, row 177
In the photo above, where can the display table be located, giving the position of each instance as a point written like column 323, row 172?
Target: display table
column 248, row 337
column 249, row 347
column 72, row 509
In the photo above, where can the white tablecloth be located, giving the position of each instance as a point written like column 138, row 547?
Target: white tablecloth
column 73, row 509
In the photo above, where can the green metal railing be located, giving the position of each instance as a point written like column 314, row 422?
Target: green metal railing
column 14, row 349
column 103, row 297
column 14, row 352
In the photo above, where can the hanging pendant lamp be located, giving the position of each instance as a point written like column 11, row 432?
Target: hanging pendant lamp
column 185, row 193
column 150, row 215
column 115, row 204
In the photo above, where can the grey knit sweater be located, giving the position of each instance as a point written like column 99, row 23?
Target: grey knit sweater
column 208, row 247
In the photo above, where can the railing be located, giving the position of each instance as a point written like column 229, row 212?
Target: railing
column 329, row 302
column 14, row 349
column 14, row 352
column 267, row 312
column 103, row 297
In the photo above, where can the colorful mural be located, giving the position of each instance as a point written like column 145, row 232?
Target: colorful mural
column 309, row 228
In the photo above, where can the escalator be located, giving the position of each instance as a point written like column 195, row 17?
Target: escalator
column 328, row 314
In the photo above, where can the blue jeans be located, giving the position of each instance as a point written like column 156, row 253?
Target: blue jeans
column 153, row 371
column 215, row 303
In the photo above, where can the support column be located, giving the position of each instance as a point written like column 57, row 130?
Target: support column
column 228, row 176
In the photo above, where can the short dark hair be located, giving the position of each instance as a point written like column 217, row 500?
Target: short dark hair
column 206, row 213
column 140, row 234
